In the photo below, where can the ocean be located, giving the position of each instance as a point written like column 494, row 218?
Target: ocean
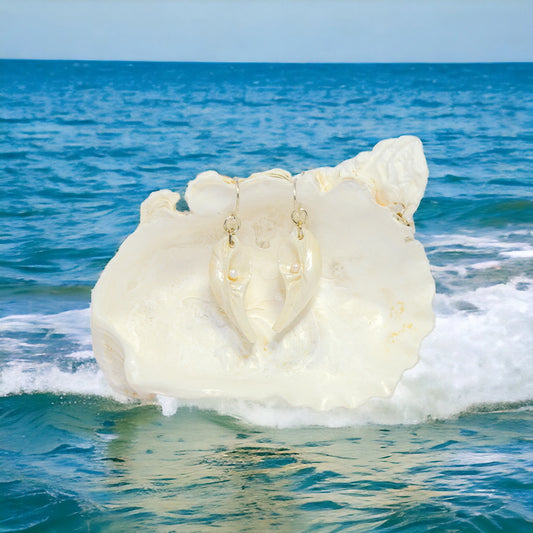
column 82, row 144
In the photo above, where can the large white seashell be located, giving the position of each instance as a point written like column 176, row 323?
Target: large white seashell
column 332, row 338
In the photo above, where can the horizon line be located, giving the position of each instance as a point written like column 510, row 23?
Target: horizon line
column 257, row 62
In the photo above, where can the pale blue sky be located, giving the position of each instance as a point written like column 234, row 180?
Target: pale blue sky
column 268, row 30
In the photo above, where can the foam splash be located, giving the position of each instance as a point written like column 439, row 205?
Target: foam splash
column 26, row 378
column 478, row 354
column 464, row 262
column 73, row 324
column 37, row 361
column 513, row 240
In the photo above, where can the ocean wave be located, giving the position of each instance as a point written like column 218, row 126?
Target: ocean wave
column 494, row 241
column 466, row 261
column 73, row 323
column 479, row 354
column 26, row 378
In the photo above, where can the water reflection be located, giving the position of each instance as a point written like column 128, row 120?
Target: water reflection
column 123, row 467
column 198, row 470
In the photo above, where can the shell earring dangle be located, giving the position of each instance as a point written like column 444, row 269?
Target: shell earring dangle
column 300, row 266
column 230, row 271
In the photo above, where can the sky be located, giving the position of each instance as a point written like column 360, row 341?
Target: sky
column 268, row 30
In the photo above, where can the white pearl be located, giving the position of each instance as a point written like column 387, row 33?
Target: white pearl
column 295, row 268
column 232, row 274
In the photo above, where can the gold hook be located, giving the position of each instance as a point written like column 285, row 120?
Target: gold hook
column 232, row 223
column 299, row 214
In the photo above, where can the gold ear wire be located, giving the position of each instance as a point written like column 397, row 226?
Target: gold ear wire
column 299, row 214
column 232, row 224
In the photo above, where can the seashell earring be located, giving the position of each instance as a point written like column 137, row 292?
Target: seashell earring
column 300, row 266
column 230, row 271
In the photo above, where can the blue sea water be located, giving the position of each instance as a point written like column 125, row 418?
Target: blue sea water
column 83, row 143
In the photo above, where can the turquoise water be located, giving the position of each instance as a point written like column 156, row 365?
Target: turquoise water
column 82, row 144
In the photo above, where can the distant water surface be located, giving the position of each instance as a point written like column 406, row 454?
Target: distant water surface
column 83, row 143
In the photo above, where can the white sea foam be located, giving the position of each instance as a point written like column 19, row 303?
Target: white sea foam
column 483, row 265
column 479, row 353
column 471, row 358
column 29, row 370
column 473, row 261
column 20, row 377
column 518, row 254
column 521, row 239
column 73, row 323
